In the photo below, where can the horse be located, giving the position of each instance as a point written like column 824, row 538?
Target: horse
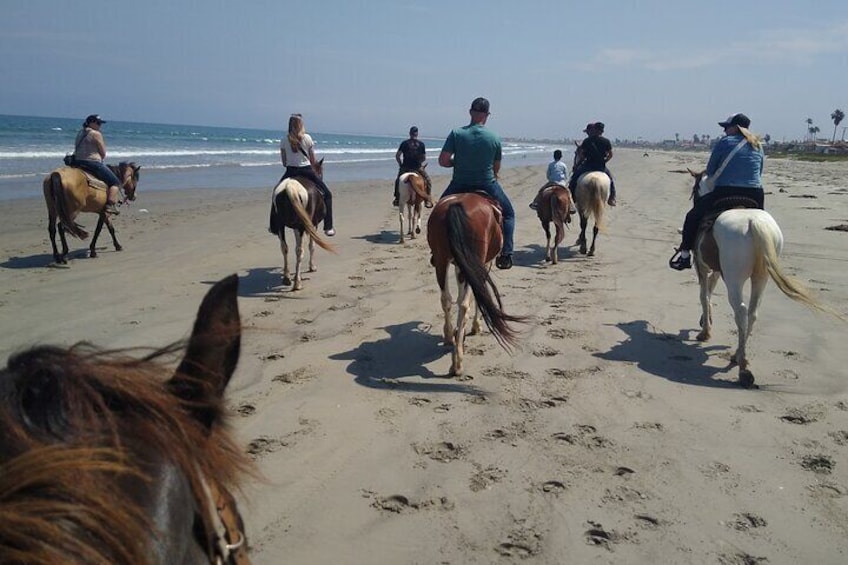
column 104, row 458
column 737, row 245
column 413, row 193
column 591, row 200
column 297, row 204
column 465, row 229
column 554, row 206
column 69, row 191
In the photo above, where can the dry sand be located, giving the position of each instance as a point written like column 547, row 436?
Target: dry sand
column 611, row 436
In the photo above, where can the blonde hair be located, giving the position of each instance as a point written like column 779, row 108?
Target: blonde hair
column 296, row 131
column 750, row 137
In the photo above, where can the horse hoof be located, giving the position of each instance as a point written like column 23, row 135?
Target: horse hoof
column 417, row 230
column 92, row 254
column 591, row 253
column 746, row 379
column 118, row 248
column 703, row 336
column 286, row 281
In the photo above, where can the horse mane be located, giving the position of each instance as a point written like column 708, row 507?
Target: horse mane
column 77, row 424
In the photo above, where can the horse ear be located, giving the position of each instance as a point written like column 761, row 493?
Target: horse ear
column 212, row 352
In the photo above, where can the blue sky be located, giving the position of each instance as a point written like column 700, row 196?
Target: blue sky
column 646, row 68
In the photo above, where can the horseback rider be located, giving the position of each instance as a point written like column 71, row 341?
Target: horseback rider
column 474, row 153
column 89, row 153
column 410, row 158
column 593, row 154
column 557, row 174
column 298, row 157
column 740, row 154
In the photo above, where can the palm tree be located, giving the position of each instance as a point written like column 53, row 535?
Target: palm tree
column 813, row 131
column 809, row 127
column 837, row 116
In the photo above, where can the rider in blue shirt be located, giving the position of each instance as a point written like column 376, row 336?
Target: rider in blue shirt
column 741, row 177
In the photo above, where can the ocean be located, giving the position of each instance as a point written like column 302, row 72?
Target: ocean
column 174, row 157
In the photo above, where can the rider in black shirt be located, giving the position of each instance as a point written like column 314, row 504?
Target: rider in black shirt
column 594, row 153
column 410, row 157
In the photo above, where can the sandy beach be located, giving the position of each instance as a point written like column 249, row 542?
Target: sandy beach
column 609, row 436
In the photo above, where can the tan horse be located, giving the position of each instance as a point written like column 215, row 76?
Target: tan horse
column 69, row 191
column 591, row 199
column 554, row 206
column 297, row 204
column 465, row 229
column 413, row 193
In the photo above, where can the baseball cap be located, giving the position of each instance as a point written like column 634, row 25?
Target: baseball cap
column 589, row 126
column 736, row 120
column 480, row 105
column 599, row 125
column 94, row 118
column 413, row 129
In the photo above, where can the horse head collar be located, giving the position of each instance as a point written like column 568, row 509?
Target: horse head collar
column 225, row 539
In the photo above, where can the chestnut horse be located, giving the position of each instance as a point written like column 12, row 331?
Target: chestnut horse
column 69, row 191
column 554, row 206
column 465, row 229
column 413, row 193
column 591, row 199
column 102, row 460
column 741, row 244
column 297, row 204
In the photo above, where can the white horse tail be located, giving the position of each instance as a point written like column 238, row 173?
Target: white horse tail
column 308, row 226
column 597, row 201
column 766, row 257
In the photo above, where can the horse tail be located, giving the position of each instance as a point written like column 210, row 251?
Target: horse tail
column 766, row 257
column 477, row 276
column 304, row 218
column 598, row 201
column 560, row 207
column 420, row 188
column 57, row 191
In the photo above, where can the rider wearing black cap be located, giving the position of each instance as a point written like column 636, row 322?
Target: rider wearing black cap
column 593, row 155
column 410, row 158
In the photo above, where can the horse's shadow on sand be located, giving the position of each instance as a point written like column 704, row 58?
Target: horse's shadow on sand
column 260, row 282
column 385, row 363
column 533, row 256
column 677, row 358
column 385, row 237
column 42, row 260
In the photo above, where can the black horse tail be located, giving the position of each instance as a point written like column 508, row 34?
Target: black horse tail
column 477, row 276
column 58, row 193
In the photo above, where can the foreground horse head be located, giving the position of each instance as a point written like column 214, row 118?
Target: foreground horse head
column 69, row 191
column 413, row 193
column 554, row 206
column 465, row 229
column 737, row 245
column 297, row 204
column 102, row 460
column 591, row 200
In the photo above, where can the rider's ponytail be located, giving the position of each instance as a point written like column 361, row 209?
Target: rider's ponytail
column 750, row 137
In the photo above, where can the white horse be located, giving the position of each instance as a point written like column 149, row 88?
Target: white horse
column 591, row 199
column 413, row 193
column 743, row 243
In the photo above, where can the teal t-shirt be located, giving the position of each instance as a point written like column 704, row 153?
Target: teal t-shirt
column 475, row 150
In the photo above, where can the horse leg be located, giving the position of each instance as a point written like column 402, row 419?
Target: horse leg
column 65, row 250
column 112, row 233
column 707, row 282
column 475, row 323
column 594, row 237
column 92, row 249
column 740, row 315
column 547, row 227
column 312, row 266
column 418, row 217
column 442, row 279
column 400, row 219
column 559, row 236
column 463, row 306
column 51, row 230
column 298, row 259
column 284, row 247
column 581, row 240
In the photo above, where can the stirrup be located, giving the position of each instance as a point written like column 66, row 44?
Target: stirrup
column 534, row 205
column 678, row 263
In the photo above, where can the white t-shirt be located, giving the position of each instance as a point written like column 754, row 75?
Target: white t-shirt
column 296, row 158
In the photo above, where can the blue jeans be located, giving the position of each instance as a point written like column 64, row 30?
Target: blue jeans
column 495, row 191
column 99, row 170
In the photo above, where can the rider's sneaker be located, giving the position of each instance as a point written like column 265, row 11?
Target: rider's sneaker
column 111, row 209
column 504, row 262
column 395, row 202
column 330, row 232
column 680, row 263
column 428, row 203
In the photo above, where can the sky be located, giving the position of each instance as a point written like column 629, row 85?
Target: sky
column 648, row 69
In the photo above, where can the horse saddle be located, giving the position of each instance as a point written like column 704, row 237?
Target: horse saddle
column 706, row 243
column 92, row 180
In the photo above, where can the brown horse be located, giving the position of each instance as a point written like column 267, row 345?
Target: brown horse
column 413, row 193
column 591, row 199
column 69, row 191
column 102, row 460
column 297, row 204
column 554, row 206
column 465, row 229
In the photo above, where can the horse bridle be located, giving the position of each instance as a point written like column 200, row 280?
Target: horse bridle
column 225, row 538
